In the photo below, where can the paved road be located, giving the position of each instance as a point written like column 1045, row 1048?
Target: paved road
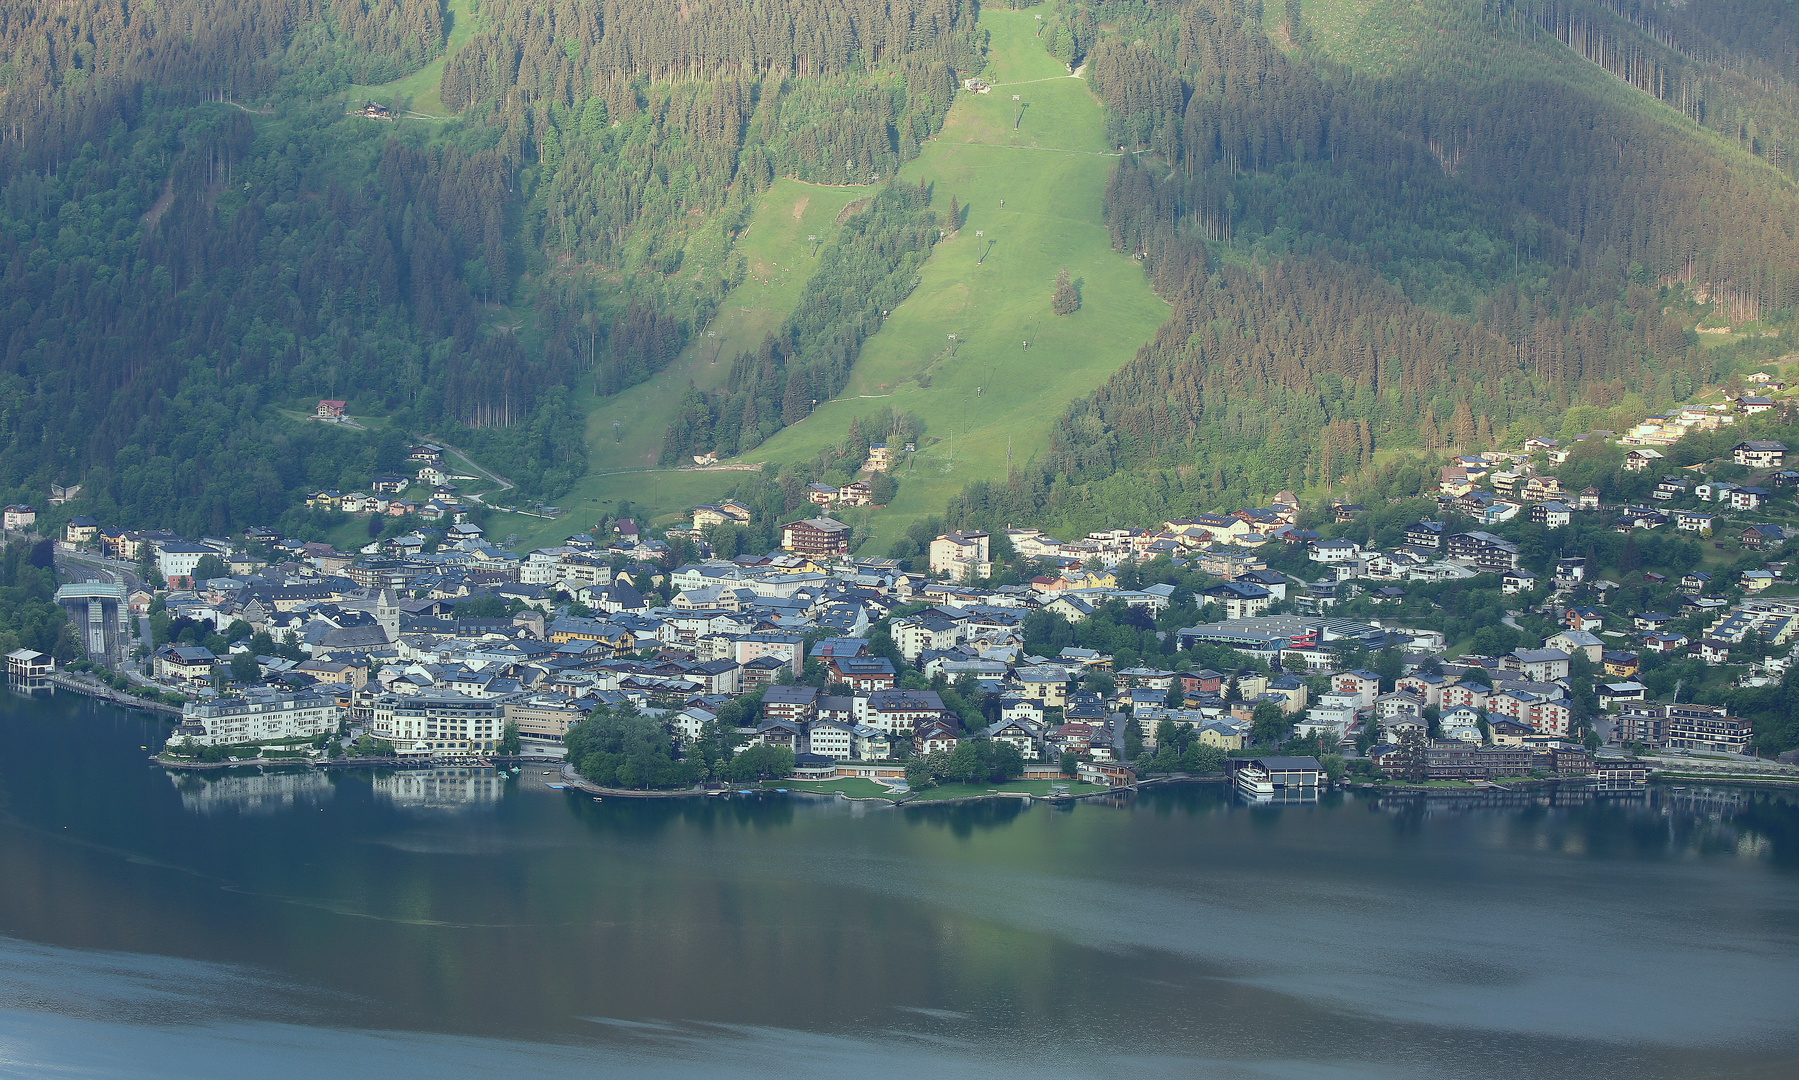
column 504, row 484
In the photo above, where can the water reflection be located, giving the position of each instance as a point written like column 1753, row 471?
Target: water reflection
column 1174, row 929
column 963, row 819
column 40, row 689
column 251, row 793
column 440, row 789
column 1660, row 820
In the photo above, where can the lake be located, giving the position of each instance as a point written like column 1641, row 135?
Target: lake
column 458, row 923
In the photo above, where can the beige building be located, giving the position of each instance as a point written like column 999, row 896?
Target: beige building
column 956, row 555
column 1045, row 683
column 544, row 721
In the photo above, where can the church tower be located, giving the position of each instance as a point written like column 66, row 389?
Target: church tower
column 387, row 613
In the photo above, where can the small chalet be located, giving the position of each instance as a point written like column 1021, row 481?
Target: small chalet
column 1517, row 581
column 1749, row 498
column 1759, row 454
column 1763, row 537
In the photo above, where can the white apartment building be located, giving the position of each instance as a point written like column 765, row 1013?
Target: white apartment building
column 260, row 715
column 437, row 723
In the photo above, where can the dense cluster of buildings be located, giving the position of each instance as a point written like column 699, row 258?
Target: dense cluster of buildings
column 373, row 637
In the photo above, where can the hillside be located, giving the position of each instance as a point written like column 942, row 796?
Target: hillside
column 989, row 284
column 549, row 213
column 600, row 240
column 1393, row 228
column 624, row 431
column 986, row 393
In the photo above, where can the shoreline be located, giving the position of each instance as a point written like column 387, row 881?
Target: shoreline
column 1488, row 787
column 64, row 681
column 491, row 761
column 575, row 781
column 578, row 782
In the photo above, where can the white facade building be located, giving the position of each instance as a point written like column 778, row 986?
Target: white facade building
column 260, row 715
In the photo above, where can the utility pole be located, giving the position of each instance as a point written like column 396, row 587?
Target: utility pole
column 1019, row 119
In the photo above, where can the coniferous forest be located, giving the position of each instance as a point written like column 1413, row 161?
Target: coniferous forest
column 1454, row 255
column 1474, row 220
column 199, row 240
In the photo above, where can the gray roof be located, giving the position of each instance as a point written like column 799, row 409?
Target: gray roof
column 354, row 637
column 1287, row 764
column 190, row 653
column 789, row 695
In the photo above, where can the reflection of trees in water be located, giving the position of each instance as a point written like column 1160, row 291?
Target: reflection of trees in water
column 963, row 819
column 630, row 818
column 1166, row 800
column 1773, row 818
column 251, row 793
column 1659, row 820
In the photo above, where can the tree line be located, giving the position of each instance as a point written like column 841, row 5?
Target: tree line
column 862, row 274
column 1437, row 261
column 194, row 244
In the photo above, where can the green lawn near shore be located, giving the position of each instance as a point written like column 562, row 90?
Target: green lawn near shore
column 1029, row 787
column 853, row 786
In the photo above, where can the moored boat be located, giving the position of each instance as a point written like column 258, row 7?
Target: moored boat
column 1254, row 780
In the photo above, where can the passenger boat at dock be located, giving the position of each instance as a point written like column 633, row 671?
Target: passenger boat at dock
column 1254, row 781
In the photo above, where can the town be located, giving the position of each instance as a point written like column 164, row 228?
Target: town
column 1289, row 647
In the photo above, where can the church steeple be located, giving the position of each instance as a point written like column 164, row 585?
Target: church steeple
column 387, row 613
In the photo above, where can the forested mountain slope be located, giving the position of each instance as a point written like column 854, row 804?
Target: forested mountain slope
column 1025, row 182
column 1381, row 227
column 196, row 242
column 1391, row 227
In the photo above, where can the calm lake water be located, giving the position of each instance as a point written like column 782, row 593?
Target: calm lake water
column 450, row 925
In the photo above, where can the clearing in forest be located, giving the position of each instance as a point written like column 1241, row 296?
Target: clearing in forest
column 990, row 285
column 417, row 94
column 991, row 290
column 624, row 432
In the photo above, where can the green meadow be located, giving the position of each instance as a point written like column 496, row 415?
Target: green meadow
column 1030, row 183
column 624, row 432
column 418, row 92
column 989, row 285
